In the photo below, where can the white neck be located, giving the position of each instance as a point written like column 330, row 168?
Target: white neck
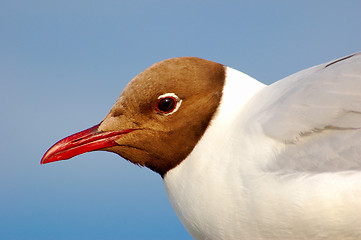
column 203, row 180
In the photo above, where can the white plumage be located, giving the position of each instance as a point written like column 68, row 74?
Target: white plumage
column 277, row 162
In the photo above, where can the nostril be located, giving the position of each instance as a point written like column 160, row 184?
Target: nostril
column 137, row 124
column 117, row 112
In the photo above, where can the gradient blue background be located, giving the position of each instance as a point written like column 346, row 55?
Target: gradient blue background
column 64, row 63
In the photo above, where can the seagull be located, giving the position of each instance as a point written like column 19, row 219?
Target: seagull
column 240, row 159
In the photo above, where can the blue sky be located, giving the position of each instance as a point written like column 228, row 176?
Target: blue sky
column 64, row 63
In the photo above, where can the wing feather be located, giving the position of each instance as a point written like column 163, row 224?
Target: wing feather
column 316, row 115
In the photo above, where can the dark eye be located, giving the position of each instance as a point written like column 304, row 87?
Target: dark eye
column 166, row 104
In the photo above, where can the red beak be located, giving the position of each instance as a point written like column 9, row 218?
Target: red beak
column 85, row 141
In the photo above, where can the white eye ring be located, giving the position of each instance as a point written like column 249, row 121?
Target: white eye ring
column 175, row 98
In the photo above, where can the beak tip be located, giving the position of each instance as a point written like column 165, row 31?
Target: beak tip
column 44, row 161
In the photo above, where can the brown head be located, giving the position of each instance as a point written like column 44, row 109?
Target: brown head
column 159, row 117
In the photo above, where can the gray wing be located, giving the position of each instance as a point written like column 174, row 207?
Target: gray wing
column 316, row 115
